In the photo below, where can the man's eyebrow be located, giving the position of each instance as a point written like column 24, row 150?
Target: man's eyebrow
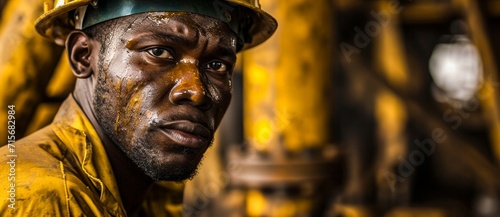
column 173, row 38
column 225, row 51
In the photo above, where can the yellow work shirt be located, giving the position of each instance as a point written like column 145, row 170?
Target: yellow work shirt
column 63, row 170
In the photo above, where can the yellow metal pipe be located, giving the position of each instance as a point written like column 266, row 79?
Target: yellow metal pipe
column 287, row 88
column 287, row 80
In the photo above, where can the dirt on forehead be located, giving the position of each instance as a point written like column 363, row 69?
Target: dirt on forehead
column 198, row 20
column 162, row 17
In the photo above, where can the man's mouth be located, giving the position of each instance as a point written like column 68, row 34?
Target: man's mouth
column 187, row 133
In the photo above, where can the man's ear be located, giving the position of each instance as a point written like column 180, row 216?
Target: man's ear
column 79, row 46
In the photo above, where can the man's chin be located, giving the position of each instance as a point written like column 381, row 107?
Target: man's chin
column 167, row 162
column 176, row 168
column 176, row 176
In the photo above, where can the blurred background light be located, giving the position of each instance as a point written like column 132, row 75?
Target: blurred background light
column 456, row 69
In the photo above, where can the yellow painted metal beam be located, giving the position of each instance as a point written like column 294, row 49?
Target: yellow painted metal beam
column 489, row 94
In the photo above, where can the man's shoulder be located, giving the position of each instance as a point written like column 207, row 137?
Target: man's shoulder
column 39, row 157
column 42, row 149
column 48, row 195
column 44, row 177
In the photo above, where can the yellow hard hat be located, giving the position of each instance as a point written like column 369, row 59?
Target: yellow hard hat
column 251, row 24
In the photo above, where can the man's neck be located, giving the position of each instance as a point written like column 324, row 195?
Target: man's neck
column 132, row 183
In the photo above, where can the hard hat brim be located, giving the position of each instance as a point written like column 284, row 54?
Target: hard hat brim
column 55, row 23
column 264, row 25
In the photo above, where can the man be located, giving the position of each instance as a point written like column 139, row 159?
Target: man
column 153, row 83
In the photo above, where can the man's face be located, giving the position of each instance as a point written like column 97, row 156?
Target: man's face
column 163, row 86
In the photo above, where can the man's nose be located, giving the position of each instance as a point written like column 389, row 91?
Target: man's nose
column 189, row 87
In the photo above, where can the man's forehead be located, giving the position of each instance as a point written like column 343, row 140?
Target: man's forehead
column 178, row 21
column 178, row 26
column 186, row 18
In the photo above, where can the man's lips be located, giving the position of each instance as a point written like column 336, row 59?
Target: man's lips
column 187, row 133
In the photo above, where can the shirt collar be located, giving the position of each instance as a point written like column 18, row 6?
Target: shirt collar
column 75, row 130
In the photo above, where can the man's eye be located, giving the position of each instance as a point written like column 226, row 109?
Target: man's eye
column 217, row 66
column 160, row 53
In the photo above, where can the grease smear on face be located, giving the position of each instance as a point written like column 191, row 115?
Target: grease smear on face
column 162, row 18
